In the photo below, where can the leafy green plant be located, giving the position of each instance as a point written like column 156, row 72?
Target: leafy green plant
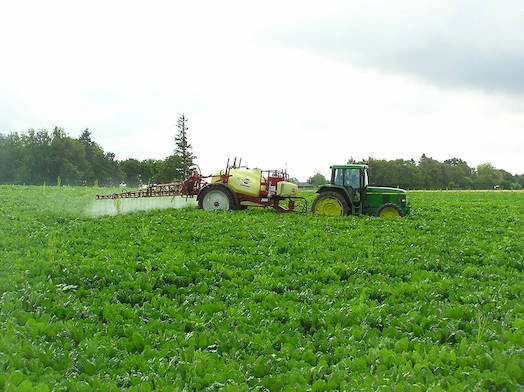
column 187, row 299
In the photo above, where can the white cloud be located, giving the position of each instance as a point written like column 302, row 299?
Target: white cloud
column 127, row 70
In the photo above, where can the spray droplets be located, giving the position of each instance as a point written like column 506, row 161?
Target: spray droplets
column 126, row 206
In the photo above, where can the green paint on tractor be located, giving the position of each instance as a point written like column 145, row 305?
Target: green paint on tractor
column 348, row 193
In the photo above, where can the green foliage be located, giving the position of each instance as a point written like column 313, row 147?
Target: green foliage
column 317, row 179
column 172, row 169
column 39, row 157
column 131, row 169
column 429, row 173
column 257, row 300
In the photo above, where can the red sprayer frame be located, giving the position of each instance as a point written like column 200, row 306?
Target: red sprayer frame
column 189, row 187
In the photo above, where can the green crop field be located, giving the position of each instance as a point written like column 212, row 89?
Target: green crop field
column 258, row 300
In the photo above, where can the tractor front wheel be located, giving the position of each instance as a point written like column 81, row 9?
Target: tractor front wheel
column 331, row 204
column 216, row 198
column 389, row 210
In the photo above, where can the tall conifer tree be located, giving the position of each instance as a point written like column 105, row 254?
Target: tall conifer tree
column 183, row 148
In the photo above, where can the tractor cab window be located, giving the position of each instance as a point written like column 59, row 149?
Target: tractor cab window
column 352, row 178
column 338, row 177
column 347, row 177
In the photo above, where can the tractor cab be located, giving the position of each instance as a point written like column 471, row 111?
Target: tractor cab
column 353, row 179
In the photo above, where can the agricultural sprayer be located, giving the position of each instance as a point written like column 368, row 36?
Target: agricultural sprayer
column 233, row 188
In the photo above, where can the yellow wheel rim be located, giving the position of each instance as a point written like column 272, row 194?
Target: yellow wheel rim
column 329, row 206
column 389, row 212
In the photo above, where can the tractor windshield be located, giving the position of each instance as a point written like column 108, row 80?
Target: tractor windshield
column 347, row 177
column 352, row 178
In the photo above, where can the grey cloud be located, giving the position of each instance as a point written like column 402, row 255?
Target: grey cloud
column 472, row 47
column 447, row 65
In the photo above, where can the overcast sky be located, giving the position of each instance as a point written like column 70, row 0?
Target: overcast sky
column 302, row 84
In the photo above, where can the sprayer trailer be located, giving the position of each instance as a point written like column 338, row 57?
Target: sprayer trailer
column 234, row 188
column 348, row 193
column 239, row 187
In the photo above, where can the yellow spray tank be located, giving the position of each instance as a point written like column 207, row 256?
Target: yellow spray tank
column 287, row 189
column 244, row 181
column 250, row 182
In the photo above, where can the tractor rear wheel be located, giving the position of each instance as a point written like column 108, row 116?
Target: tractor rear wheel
column 217, row 197
column 331, row 204
column 389, row 210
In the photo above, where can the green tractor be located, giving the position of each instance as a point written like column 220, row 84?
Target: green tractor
column 348, row 193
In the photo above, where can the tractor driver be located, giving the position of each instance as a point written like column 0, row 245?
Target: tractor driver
column 352, row 182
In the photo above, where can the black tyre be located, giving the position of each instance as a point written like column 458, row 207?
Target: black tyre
column 389, row 210
column 217, row 197
column 330, row 204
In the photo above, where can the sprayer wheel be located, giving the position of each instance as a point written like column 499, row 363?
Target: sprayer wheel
column 217, row 198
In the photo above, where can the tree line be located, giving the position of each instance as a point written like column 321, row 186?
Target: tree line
column 43, row 157
column 453, row 173
column 428, row 173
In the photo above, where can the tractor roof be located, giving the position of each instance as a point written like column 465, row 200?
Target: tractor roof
column 350, row 166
